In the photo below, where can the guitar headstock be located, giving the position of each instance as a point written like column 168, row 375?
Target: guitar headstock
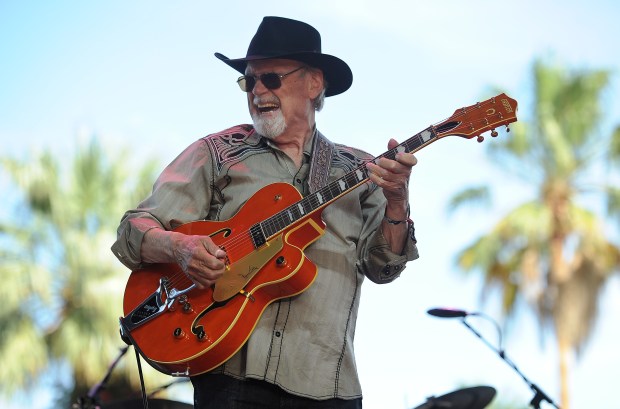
column 476, row 119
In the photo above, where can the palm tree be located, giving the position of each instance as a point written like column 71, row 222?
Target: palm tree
column 63, row 288
column 552, row 251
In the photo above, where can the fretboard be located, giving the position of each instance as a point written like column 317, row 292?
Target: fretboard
column 261, row 232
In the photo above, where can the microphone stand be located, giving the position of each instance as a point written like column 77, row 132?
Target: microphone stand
column 91, row 401
column 539, row 395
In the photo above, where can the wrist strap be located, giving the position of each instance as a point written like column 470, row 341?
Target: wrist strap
column 392, row 221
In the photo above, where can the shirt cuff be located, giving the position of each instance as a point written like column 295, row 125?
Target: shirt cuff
column 389, row 265
column 129, row 242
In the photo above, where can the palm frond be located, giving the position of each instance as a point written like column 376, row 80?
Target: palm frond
column 475, row 195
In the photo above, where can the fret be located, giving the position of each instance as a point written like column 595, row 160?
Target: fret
column 258, row 237
column 278, row 222
column 334, row 189
column 312, row 202
column 267, row 228
column 391, row 154
column 427, row 135
column 319, row 198
column 295, row 211
column 411, row 144
column 350, row 180
column 324, row 194
column 359, row 174
column 307, row 206
column 420, row 139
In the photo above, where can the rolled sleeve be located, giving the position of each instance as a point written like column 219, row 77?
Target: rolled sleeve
column 385, row 266
column 376, row 259
column 181, row 194
column 130, row 233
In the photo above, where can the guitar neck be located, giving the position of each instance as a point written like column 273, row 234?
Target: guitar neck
column 332, row 191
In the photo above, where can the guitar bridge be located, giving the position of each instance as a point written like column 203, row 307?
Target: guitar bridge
column 154, row 305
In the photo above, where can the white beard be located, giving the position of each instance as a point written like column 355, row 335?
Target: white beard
column 271, row 127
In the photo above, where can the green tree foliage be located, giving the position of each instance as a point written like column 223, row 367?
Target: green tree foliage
column 62, row 292
column 553, row 251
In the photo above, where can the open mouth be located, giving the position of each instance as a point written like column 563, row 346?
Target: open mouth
column 268, row 107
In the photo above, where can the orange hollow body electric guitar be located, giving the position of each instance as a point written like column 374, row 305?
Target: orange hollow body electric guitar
column 181, row 330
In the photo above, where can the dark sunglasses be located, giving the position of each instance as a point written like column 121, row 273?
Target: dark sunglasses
column 270, row 80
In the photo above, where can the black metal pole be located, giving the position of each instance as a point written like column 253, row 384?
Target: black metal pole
column 539, row 395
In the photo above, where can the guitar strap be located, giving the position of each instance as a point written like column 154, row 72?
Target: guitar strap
column 320, row 163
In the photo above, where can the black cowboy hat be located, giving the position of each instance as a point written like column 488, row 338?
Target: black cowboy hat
column 279, row 37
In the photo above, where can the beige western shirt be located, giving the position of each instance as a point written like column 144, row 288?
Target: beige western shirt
column 303, row 344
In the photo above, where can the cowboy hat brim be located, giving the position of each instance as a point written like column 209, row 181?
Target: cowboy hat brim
column 337, row 73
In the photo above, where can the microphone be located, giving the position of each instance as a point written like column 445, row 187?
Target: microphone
column 448, row 313
column 454, row 313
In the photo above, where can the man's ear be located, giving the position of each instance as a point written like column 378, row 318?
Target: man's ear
column 316, row 83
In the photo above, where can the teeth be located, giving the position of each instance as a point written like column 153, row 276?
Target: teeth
column 267, row 107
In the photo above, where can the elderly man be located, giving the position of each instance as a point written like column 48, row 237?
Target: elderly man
column 300, row 353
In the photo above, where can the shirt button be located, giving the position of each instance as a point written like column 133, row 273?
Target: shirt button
column 298, row 180
column 278, row 333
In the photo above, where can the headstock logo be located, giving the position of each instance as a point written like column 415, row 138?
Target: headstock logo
column 506, row 105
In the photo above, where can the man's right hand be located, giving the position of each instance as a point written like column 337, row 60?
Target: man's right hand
column 198, row 256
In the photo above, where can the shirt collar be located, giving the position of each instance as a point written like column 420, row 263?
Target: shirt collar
column 255, row 137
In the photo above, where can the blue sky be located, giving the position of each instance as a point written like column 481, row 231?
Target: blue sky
column 141, row 75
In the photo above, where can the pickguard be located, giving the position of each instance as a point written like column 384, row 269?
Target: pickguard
column 240, row 272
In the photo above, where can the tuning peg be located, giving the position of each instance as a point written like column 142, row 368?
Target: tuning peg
column 493, row 133
column 480, row 138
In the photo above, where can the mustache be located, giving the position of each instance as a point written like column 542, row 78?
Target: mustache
column 266, row 100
